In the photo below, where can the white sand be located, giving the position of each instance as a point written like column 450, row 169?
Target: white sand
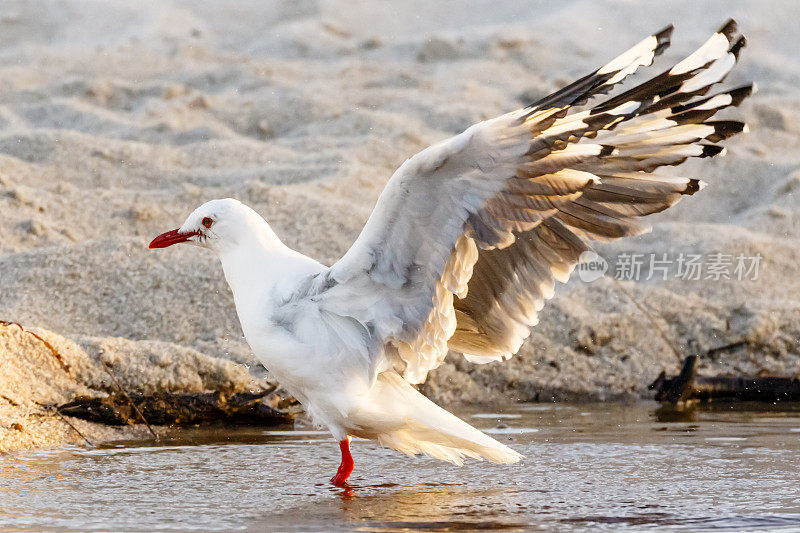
column 116, row 121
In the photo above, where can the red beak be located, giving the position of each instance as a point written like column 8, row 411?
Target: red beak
column 169, row 238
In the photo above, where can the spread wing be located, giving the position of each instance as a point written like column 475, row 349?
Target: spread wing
column 469, row 235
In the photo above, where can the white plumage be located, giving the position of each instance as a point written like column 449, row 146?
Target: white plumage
column 465, row 245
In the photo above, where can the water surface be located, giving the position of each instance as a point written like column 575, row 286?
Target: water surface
column 605, row 466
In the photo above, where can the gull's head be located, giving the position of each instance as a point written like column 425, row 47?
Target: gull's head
column 216, row 225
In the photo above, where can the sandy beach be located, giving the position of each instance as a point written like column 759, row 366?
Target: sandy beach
column 117, row 120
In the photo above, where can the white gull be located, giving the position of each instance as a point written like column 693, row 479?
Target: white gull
column 464, row 246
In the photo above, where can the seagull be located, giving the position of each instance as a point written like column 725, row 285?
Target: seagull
column 464, row 246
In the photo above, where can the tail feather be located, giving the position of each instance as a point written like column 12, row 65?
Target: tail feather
column 401, row 418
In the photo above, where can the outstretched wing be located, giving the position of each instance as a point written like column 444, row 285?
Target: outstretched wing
column 469, row 235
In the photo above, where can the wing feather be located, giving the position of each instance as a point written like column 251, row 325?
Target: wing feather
column 469, row 236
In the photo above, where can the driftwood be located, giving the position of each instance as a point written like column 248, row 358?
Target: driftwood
column 256, row 409
column 689, row 386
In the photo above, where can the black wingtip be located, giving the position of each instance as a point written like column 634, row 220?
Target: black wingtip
column 740, row 93
column 729, row 29
column 692, row 116
column 710, row 150
column 606, row 150
column 724, row 129
column 663, row 38
column 737, row 46
column 688, row 113
column 693, row 186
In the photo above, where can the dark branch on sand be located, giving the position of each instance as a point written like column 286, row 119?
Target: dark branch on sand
column 256, row 409
column 689, row 386
column 48, row 410
column 128, row 398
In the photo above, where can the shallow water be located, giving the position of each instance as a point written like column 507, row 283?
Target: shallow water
column 587, row 467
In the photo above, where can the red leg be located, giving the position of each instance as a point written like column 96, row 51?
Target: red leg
column 346, row 468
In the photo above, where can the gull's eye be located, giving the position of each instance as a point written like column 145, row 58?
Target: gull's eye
column 207, row 221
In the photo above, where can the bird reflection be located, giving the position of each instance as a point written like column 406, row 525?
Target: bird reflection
column 430, row 506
